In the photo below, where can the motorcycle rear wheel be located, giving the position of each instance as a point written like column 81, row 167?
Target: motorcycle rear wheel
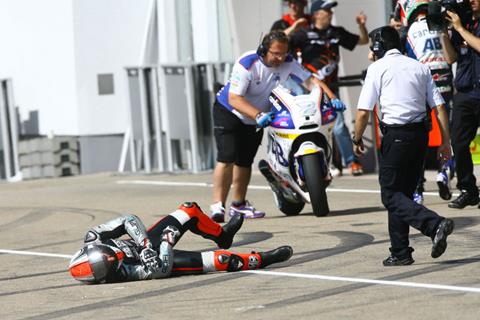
column 316, row 184
column 287, row 207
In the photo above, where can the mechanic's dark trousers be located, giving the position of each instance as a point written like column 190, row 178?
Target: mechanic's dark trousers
column 402, row 155
column 465, row 121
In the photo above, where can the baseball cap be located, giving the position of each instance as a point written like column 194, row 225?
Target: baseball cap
column 322, row 5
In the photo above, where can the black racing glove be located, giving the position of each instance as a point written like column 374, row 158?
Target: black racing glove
column 150, row 260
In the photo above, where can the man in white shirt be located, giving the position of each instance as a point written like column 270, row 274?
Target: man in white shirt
column 402, row 86
column 242, row 107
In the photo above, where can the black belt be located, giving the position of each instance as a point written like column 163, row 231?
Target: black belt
column 384, row 127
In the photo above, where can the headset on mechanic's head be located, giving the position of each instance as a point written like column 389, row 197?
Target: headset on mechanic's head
column 383, row 39
column 275, row 35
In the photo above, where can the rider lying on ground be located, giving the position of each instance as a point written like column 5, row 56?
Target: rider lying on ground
column 149, row 254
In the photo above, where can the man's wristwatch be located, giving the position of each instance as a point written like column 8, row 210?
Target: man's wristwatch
column 357, row 142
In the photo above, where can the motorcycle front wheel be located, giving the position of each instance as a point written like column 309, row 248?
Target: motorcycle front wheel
column 316, row 184
column 288, row 207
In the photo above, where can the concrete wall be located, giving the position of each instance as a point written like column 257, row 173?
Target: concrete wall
column 38, row 53
column 353, row 62
column 96, row 153
column 54, row 49
column 108, row 36
column 251, row 20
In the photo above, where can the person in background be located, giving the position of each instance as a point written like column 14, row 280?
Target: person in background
column 396, row 24
column 434, row 49
column 320, row 46
column 466, row 102
column 294, row 19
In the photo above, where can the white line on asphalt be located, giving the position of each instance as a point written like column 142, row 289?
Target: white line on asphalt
column 368, row 281
column 298, row 275
column 31, row 253
column 253, row 187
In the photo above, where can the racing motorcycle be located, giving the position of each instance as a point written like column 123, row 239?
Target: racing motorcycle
column 299, row 149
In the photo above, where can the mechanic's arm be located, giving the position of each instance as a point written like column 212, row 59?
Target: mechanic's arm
column 242, row 105
column 470, row 38
column 361, row 121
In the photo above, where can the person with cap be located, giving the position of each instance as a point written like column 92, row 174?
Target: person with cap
column 149, row 254
column 403, row 87
column 294, row 19
column 434, row 49
column 242, row 110
column 320, row 48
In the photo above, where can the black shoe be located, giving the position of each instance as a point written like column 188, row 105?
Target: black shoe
column 439, row 243
column 229, row 230
column 393, row 261
column 464, row 199
column 443, row 186
column 274, row 256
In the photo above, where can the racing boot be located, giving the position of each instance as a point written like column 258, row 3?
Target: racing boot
column 276, row 255
column 224, row 260
column 229, row 230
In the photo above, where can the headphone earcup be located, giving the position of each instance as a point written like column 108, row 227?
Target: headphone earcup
column 261, row 50
column 376, row 47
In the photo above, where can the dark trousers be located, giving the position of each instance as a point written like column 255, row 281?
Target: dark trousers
column 465, row 121
column 402, row 155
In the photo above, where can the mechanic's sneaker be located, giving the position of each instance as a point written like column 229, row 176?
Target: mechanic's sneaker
column 275, row 256
column 247, row 210
column 335, row 172
column 229, row 230
column 418, row 197
column 443, row 185
column 356, row 168
column 464, row 199
column 217, row 212
column 393, row 261
column 439, row 242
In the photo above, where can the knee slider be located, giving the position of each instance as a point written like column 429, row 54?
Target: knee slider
column 190, row 204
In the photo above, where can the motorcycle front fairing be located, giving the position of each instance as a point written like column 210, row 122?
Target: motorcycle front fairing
column 301, row 124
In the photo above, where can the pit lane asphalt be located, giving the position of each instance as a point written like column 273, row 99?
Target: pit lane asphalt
column 335, row 272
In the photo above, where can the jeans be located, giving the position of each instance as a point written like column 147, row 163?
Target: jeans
column 344, row 141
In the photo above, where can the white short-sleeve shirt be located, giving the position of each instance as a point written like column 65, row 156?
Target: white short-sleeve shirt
column 252, row 79
column 403, row 87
